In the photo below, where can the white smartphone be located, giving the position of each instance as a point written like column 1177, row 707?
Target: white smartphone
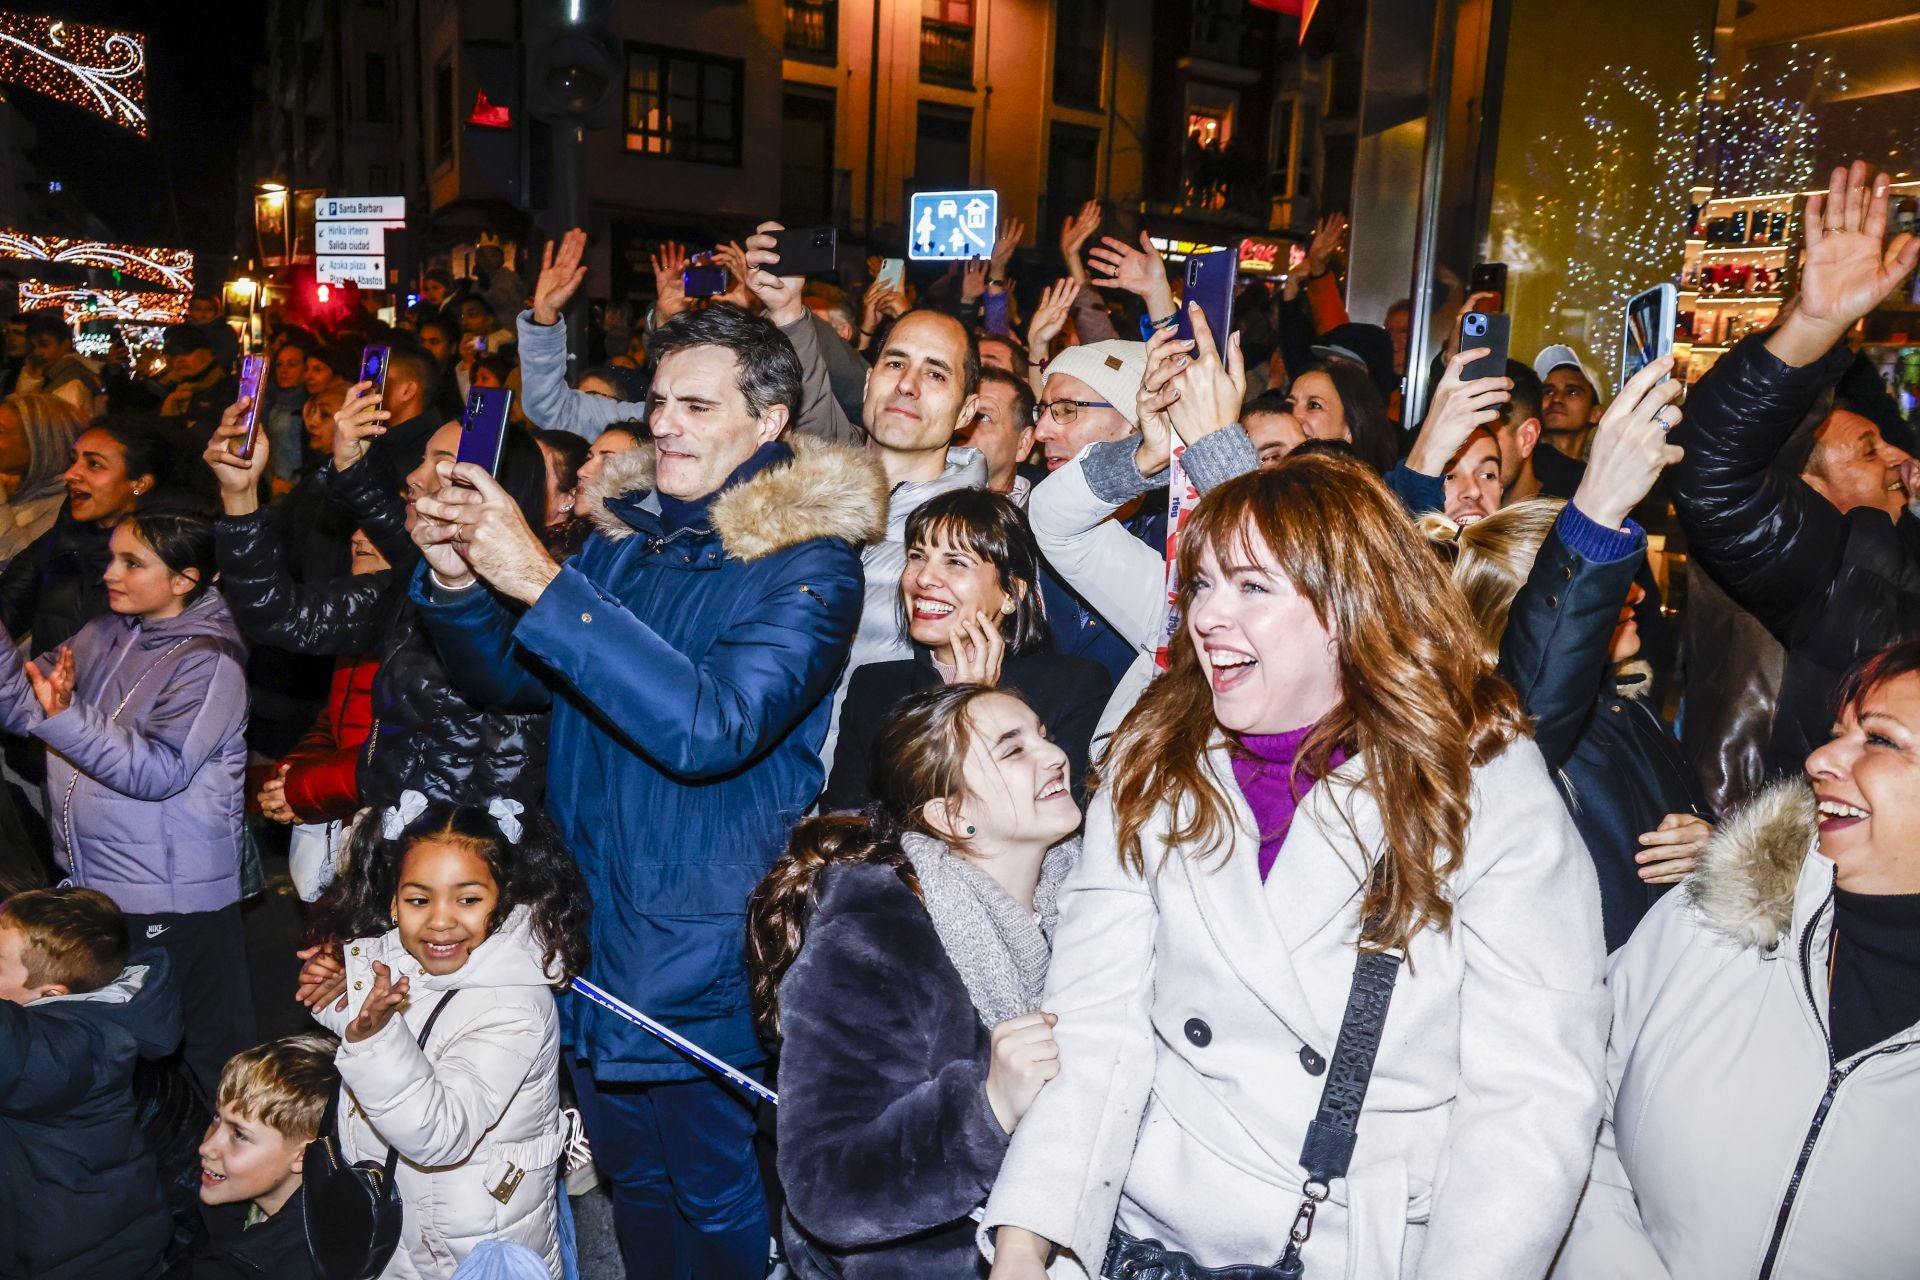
column 893, row 274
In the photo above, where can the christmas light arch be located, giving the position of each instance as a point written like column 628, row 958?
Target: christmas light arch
column 171, row 268
column 96, row 68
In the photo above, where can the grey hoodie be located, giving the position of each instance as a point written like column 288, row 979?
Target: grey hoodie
column 146, row 769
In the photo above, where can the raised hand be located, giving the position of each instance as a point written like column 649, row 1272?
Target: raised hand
column 731, row 256
column 1630, row 447
column 561, row 272
column 1012, row 231
column 1458, row 410
column 879, row 300
column 1850, row 264
column 782, row 295
column 238, row 477
column 323, row 977
column 386, row 997
column 669, row 288
column 1211, row 390
column 1050, row 316
column 1023, row 1058
column 359, row 423
column 1327, row 235
column 273, row 798
column 1167, row 355
column 1074, row 234
column 973, row 280
column 1142, row 272
column 54, row 690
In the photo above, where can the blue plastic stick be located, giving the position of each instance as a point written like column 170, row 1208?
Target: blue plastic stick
column 674, row 1038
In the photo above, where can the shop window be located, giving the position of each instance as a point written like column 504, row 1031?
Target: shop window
column 683, row 105
column 946, row 42
column 1079, row 52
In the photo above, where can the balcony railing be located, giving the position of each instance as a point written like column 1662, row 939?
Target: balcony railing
column 813, row 29
column 946, row 52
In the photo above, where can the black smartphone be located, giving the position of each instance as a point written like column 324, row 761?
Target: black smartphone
column 1211, row 280
column 1492, row 330
column 1490, row 277
column 807, row 251
column 483, row 430
column 703, row 280
column 373, row 367
column 1648, row 332
column 253, row 380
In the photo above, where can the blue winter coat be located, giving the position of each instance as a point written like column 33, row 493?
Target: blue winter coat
column 146, row 770
column 689, row 675
column 79, row 1194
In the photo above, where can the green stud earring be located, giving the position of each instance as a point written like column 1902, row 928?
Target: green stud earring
column 969, row 829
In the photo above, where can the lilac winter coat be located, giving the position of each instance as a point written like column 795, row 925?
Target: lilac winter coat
column 146, row 771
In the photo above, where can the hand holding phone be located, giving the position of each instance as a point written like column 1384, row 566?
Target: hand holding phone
column 1212, row 280
column 1494, row 332
column 806, row 251
column 1647, row 334
column 253, row 381
column 892, row 274
column 373, row 368
column 704, row 278
column 1490, row 277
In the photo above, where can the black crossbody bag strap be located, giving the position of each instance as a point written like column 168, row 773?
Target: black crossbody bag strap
column 393, row 1153
column 1331, row 1136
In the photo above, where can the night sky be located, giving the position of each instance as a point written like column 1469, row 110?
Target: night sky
column 178, row 186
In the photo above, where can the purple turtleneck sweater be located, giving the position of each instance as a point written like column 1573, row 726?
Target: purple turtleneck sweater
column 1263, row 777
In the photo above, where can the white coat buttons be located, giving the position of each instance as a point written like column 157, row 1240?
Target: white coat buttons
column 1313, row 1062
column 1199, row 1034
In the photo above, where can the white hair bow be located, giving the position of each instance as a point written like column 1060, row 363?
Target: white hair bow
column 398, row 817
column 507, row 812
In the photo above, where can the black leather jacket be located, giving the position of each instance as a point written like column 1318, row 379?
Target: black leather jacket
column 1831, row 587
column 54, row 587
column 426, row 737
column 1618, row 769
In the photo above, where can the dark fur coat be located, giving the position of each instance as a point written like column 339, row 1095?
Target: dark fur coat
column 887, row 1143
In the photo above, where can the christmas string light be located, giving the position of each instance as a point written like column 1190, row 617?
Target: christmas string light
column 92, row 67
column 104, row 304
column 170, row 267
column 1770, row 129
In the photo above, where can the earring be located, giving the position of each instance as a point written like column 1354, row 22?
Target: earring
column 1007, row 607
column 969, row 828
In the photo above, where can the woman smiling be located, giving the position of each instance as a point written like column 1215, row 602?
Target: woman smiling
column 1786, row 977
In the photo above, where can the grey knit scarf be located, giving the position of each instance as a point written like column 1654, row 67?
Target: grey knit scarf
column 1000, row 948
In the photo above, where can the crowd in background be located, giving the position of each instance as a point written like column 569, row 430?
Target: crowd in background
column 802, row 677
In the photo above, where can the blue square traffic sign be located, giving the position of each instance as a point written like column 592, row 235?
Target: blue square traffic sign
column 943, row 226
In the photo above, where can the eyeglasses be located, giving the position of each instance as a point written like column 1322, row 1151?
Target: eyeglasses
column 1065, row 411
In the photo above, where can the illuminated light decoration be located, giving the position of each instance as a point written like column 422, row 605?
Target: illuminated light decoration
column 104, row 304
column 1769, row 130
column 92, row 67
column 170, row 267
column 490, row 115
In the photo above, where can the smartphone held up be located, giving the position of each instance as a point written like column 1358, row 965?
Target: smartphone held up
column 1648, row 332
column 253, row 382
column 483, row 429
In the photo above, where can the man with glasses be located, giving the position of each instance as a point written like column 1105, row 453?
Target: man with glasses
column 1088, row 398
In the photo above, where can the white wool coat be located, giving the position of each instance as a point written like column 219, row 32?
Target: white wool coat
column 1188, row 1001
column 1711, row 1165
column 478, row 1108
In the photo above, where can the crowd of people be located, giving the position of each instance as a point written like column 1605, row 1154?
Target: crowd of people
column 809, row 677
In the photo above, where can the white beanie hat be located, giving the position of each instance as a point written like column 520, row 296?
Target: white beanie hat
column 1113, row 368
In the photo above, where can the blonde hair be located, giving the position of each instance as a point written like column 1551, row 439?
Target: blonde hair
column 283, row 1084
column 1418, row 700
column 1492, row 559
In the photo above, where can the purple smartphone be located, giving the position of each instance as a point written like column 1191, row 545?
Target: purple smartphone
column 1212, row 280
column 373, row 367
column 253, row 380
column 483, row 431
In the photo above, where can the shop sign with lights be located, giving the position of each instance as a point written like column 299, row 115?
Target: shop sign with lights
column 172, row 268
column 81, row 305
column 1179, row 250
column 94, row 68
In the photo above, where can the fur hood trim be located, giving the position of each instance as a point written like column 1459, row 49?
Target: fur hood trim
column 826, row 491
column 1745, row 885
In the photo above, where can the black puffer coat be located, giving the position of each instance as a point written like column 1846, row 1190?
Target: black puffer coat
column 426, row 737
column 54, row 587
column 1618, row 769
column 1833, row 588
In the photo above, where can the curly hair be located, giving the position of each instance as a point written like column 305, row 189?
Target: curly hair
column 537, row 873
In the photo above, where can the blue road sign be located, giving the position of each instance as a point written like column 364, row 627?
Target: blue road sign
column 943, row 226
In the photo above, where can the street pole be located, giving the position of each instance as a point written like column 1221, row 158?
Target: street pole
column 567, row 203
column 1427, row 229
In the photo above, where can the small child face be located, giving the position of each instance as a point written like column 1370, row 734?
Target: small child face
column 15, row 986
column 244, row 1159
column 446, row 897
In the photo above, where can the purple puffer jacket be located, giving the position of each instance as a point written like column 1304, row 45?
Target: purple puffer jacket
column 146, row 771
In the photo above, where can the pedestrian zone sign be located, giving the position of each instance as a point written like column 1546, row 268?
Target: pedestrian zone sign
column 948, row 226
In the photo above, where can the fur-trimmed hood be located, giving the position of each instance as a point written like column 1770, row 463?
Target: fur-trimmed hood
column 824, row 491
column 1744, row 887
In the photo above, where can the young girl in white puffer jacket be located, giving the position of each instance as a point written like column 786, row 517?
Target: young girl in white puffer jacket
column 469, row 906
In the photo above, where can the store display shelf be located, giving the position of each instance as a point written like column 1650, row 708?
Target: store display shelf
column 1745, row 249
column 1716, row 299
